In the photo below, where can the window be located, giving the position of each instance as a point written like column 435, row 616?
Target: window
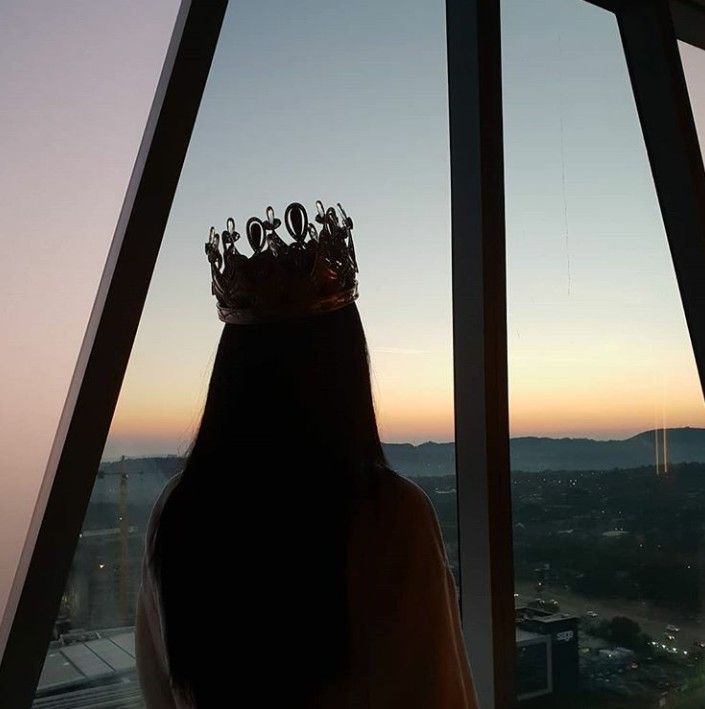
column 360, row 116
column 606, row 409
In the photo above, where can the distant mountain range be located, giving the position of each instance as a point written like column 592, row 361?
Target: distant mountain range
column 535, row 454
column 528, row 454
column 684, row 445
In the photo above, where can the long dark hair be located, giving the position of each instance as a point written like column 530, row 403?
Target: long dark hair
column 250, row 551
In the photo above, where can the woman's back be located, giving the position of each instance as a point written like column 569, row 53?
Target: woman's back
column 287, row 562
column 405, row 645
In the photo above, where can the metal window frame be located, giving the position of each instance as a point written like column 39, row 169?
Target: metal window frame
column 480, row 346
column 34, row 600
column 687, row 17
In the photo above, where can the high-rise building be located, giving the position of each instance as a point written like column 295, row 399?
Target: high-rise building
column 547, row 653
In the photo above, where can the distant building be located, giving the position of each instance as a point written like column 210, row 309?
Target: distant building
column 534, row 677
column 547, row 653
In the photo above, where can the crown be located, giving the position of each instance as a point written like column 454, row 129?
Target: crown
column 315, row 273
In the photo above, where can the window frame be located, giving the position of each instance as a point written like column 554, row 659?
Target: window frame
column 480, row 346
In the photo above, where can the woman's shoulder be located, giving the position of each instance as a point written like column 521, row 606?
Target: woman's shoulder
column 400, row 492
column 403, row 509
column 397, row 540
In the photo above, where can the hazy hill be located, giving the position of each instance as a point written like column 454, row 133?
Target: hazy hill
column 529, row 454
column 533, row 454
column 423, row 460
column 685, row 445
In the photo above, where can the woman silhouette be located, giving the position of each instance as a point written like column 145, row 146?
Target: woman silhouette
column 287, row 565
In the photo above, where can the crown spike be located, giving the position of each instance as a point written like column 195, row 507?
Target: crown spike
column 347, row 222
column 296, row 221
column 321, row 212
column 332, row 216
column 255, row 234
column 348, row 225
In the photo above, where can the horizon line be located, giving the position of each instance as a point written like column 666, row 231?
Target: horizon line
column 163, row 454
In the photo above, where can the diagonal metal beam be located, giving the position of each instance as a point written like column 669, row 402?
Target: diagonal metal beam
column 662, row 101
column 95, row 386
column 689, row 21
column 688, row 17
column 480, row 346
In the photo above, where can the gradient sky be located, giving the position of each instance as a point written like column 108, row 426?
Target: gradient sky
column 598, row 344
column 337, row 101
column 597, row 338
column 351, row 106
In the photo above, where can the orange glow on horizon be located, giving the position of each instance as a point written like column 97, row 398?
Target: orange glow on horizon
column 600, row 416
column 596, row 388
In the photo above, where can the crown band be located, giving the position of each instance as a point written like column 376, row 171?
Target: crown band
column 241, row 316
column 316, row 273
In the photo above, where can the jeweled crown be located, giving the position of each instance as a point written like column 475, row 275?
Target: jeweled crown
column 315, row 273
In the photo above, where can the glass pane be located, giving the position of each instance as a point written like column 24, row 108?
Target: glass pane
column 77, row 81
column 606, row 410
column 693, row 60
column 356, row 114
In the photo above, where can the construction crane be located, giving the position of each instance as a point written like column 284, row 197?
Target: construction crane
column 124, row 565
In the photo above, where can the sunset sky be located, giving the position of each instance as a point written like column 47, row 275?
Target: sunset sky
column 598, row 343
column 345, row 102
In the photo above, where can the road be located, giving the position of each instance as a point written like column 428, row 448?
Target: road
column 652, row 619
